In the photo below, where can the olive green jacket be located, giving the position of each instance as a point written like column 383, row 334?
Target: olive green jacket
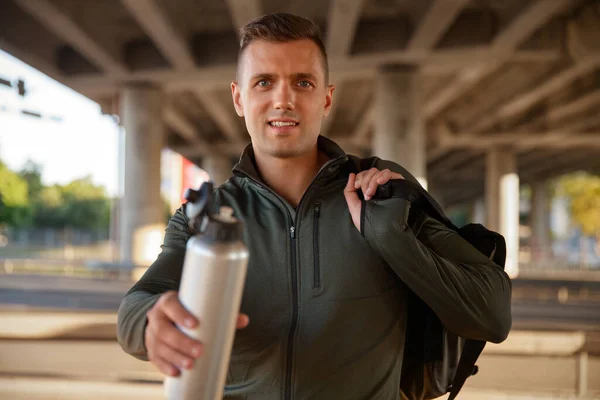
column 327, row 303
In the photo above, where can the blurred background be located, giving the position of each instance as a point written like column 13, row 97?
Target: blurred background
column 110, row 109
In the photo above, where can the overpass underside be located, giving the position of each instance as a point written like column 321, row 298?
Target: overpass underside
column 474, row 98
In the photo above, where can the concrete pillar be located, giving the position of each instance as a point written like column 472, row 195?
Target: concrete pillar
column 142, row 219
column 502, row 202
column 478, row 211
column 218, row 168
column 436, row 192
column 540, row 222
column 399, row 124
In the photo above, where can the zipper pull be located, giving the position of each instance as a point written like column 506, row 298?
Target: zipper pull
column 292, row 232
column 317, row 210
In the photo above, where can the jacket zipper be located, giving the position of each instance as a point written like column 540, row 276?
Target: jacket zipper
column 317, row 267
column 290, row 347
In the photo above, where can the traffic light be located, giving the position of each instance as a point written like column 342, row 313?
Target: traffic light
column 21, row 87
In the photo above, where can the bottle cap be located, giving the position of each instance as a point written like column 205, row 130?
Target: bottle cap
column 223, row 227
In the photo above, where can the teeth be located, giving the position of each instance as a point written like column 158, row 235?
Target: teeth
column 280, row 123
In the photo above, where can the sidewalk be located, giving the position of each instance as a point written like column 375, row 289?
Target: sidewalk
column 63, row 283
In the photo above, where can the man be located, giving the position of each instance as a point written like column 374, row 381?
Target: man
column 329, row 272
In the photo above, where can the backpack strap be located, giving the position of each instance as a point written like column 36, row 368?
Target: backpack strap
column 466, row 366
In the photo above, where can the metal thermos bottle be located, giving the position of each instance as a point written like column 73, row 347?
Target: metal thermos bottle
column 212, row 283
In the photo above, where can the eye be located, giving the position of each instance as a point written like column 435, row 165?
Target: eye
column 263, row 83
column 305, row 84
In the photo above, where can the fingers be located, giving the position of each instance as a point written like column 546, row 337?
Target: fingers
column 368, row 180
column 164, row 332
column 242, row 321
column 168, row 347
column 166, row 359
column 165, row 367
column 173, row 357
column 363, row 181
column 383, row 177
column 350, row 193
column 353, row 201
column 169, row 303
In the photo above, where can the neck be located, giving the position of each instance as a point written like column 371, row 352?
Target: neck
column 290, row 177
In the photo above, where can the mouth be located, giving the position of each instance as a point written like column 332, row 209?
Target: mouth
column 283, row 124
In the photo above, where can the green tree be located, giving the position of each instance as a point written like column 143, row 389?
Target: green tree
column 16, row 210
column 32, row 173
column 49, row 207
column 79, row 204
column 86, row 205
column 583, row 192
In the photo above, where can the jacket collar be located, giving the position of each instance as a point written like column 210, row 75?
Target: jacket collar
column 246, row 165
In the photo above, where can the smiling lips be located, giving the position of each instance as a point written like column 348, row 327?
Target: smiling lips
column 282, row 124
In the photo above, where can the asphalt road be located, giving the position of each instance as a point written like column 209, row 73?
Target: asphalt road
column 527, row 313
column 60, row 299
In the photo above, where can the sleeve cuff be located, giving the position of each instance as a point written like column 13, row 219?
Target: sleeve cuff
column 383, row 219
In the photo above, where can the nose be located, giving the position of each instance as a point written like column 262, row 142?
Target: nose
column 283, row 98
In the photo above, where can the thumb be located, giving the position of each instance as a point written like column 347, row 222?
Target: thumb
column 350, row 192
column 354, row 202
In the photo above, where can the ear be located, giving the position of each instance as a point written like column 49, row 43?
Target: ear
column 236, row 94
column 328, row 99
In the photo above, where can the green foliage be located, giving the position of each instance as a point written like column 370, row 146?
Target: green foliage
column 32, row 174
column 15, row 209
column 79, row 204
column 26, row 201
column 583, row 191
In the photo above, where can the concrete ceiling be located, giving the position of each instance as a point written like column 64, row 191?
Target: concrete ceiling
column 521, row 73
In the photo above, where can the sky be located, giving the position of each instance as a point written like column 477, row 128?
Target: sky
column 81, row 142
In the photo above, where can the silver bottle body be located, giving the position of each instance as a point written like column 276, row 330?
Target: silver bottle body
column 212, row 284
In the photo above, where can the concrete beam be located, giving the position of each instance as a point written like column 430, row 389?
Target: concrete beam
column 529, row 98
column 527, row 22
column 31, row 59
column 522, row 139
column 180, row 124
column 343, row 20
column 223, row 116
column 523, row 26
column 153, row 18
column 341, row 29
column 562, row 163
column 581, row 125
column 574, row 107
column 360, row 134
column 357, row 66
column 243, row 11
column 582, row 33
column 435, row 24
column 65, row 28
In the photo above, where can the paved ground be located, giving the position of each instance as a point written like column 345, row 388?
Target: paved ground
column 75, row 293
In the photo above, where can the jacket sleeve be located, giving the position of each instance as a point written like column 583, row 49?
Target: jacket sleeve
column 470, row 294
column 163, row 275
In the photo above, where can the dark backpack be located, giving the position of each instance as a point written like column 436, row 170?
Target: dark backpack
column 437, row 361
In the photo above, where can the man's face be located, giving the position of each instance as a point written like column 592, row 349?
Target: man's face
column 282, row 94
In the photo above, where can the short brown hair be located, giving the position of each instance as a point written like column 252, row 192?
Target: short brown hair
column 283, row 27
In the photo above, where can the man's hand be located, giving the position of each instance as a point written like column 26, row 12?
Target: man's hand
column 169, row 348
column 367, row 181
